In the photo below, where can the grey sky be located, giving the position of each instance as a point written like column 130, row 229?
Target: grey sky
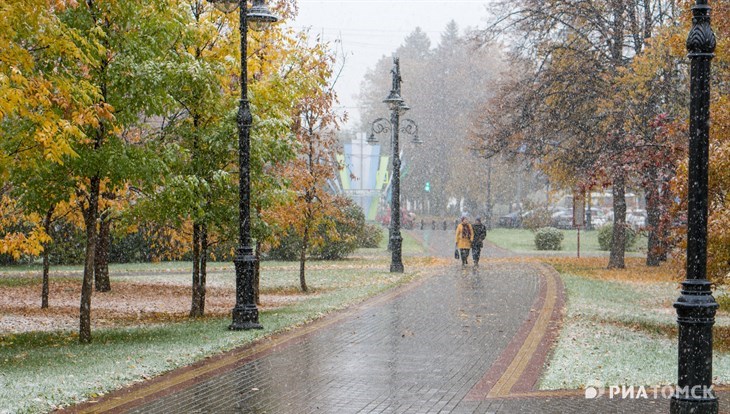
column 369, row 29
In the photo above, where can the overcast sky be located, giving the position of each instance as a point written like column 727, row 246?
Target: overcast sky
column 369, row 29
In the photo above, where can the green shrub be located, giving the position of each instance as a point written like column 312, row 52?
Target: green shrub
column 129, row 248
column 371, row 236
column 288, row 248
column 605, row 234
column 349, row 228
column 548, row 238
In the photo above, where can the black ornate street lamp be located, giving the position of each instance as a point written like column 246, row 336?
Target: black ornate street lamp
column 245, row 313
column 696, row 306
column 381, row 125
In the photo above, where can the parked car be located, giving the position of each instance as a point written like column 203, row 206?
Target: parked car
column 511, row 221
column 562, row 219
column 637, row 219
column 599, row 218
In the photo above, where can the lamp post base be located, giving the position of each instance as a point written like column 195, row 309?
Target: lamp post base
column 701, row 406
column 245, row 313
column 396, row 268
column 245, row 318
column 696, row 309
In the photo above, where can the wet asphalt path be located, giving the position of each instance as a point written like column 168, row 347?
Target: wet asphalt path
column 455, row 342
column 421, row 352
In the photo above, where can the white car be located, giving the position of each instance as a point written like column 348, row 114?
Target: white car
column 598, row 218
column 637, row 219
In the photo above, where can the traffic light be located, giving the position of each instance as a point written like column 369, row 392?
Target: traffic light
column 428, row 186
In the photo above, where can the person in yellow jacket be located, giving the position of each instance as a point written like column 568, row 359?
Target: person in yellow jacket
column 464, row 237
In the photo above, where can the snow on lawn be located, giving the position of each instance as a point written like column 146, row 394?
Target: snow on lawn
column 40, row 371
column 601, row 344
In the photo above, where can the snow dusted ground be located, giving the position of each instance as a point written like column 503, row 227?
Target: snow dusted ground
column 614, row 333
column 141, row 328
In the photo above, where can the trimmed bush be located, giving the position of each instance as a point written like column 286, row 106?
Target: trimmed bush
column 605, row 234
column 345, row 239
column 371, row 236
column 548, row 238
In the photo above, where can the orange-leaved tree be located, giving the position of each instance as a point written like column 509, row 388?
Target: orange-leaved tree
column 311, row 209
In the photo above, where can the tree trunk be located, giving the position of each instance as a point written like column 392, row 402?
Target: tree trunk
column 653, row 216
column 303, row 258
column 618, row 241
column 203, row 268
column 195, row 304
column 46, row 261
column 101, row 262
column 589, row 213
column 665, row 203
column 44, row 289
column 257, row 274
column 87, row 285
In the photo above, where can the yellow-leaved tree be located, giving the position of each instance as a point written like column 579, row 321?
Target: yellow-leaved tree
column 44, row 110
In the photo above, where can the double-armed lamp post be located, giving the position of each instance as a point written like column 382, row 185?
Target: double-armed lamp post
column 696, row 306
column 381, row 125
column 245, row 313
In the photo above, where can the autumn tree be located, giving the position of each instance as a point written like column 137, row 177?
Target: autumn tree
column 126, row 35
column 310, row 209
column 580, row 52
column 43, row 108
column 195, row 138
column 654, row 101
column 45, row 111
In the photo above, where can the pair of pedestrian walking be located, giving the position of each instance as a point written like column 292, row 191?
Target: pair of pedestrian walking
column 468, row 238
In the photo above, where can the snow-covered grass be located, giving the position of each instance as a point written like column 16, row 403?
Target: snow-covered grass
column 620, row 333
column 40, row 371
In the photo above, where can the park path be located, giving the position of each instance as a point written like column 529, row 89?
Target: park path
column 460, row 341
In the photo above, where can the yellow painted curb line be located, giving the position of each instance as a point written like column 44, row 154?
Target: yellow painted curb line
column 519, row 363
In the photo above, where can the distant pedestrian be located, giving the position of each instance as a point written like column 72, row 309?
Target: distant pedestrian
column 480, row 233
column 464, row 237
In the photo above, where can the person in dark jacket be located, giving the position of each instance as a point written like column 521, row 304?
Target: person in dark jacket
column 480, row 233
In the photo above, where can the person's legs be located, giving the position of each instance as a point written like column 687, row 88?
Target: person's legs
column 464, row 256
column 476, row 253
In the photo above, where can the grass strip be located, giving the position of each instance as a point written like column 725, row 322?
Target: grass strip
column 622, row 333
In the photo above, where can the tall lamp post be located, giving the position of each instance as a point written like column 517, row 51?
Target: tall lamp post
column 696, row 306
column 245, row 313
column 381, row 125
